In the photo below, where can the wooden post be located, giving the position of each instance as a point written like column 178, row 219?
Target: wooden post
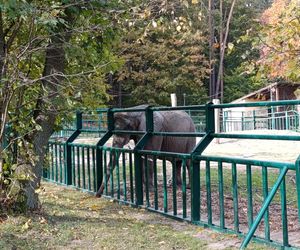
column 173, row 100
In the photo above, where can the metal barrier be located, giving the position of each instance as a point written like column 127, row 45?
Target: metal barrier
column 208, row 202
column 261, row 118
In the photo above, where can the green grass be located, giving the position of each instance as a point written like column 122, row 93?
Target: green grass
column 291, row 192
column 71, row 219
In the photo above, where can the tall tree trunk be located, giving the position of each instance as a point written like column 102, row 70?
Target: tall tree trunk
column 211, row 49
column 223, row 47
column 45, row 114
column 2, row 90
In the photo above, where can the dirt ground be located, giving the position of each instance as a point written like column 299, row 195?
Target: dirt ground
column 273, row 150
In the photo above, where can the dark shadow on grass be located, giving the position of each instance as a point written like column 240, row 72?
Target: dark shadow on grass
column 105, row 213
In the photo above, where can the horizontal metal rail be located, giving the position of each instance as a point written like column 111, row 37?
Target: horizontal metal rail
column 270, row 164
column 166, row 154
column 93, row 130
column 257, row 104
column 257, row 136
column 179, row 134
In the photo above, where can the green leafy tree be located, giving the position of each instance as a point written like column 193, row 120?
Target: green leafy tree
column 163, row 50
column 53, row 58
column 279, row 41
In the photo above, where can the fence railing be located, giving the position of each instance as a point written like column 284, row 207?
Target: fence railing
column 266, row 118
column 212, row 197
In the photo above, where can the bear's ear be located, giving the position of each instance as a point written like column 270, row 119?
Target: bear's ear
column 122, row 121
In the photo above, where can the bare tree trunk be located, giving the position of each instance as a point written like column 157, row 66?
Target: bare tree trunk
column 211, row 49
column 223, row 47
column 2, row 121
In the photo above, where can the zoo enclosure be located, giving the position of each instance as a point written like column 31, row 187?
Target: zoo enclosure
column 85, row 166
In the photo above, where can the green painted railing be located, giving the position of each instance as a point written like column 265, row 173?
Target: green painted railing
column 261, row 118
column 215, row 198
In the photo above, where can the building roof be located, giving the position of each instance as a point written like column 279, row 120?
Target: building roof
column 264, row 90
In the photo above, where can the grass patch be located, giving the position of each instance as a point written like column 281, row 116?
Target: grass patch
column 257, row 189
column 71, row 219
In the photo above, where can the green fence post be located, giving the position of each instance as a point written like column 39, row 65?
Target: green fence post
column 243, row 121
column 195, row 190
column 138, row 162
column 195, row 166
column 287, row 127
column 68, row 149
column 297, row 165
column 254, row 120
column 99, row 150
column 224, row 120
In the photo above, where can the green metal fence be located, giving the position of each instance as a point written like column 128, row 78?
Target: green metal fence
column 261, row 118
column 214, row 199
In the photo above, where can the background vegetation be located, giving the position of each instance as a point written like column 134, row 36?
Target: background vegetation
column 58, row 56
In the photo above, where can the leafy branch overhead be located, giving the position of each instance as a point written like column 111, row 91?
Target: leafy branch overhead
column 53, row 58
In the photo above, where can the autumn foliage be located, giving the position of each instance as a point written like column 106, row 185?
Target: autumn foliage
column 280, row 40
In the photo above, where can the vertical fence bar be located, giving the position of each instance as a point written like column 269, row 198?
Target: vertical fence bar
column 208, row 194
column 83, row 167
column 56, row 163
column 68, row 151
column 184, row 189
column 124, row 176
column 78, row 166
column 254, row 120
column 73, row 167
column 111, row 166
column 155, row 183
column 118, row 173
column 165, row 186
column 195, row 189
column 46, row 168
column 138, row 174
column 51, row 174
column 243, row 121
column 60, row 163
column 99, row 166
column 147, row 180
column 249, row 195
column 174, row 182
column 284, row 213
column 221, row 195
column 131, row 178
column 94, row 169
column 105, row 171
column 287, row 127
column 265, row 195
column 89, row 168
column 235, row 197
column 297, row 165
column 65, row 164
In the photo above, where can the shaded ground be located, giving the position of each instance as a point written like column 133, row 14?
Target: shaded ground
column 71, row 219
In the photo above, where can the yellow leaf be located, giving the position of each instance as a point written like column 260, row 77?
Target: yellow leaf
column 26, row 225
column 195, row 1
column 43, row 220
column 95, row 207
